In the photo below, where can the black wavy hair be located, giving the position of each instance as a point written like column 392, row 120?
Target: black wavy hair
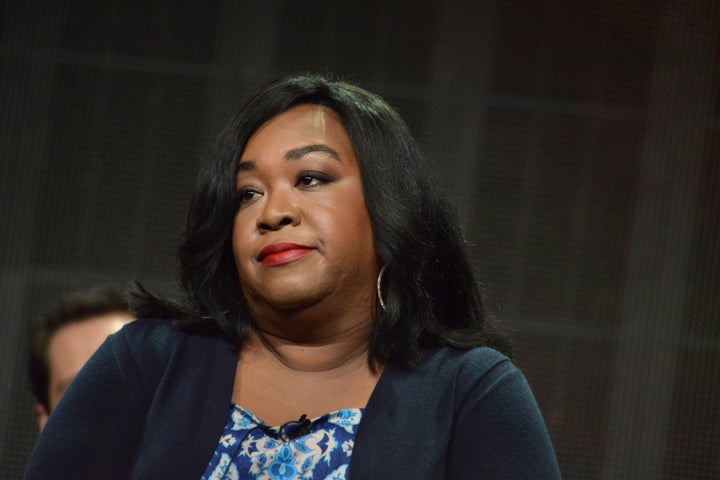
column 430, row 291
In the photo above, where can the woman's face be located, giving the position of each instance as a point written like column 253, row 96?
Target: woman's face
column 302, row 234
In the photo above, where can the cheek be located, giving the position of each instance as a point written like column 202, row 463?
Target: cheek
column 360, row 219
column 240, row 243
column 54, row 396
column 354, row 228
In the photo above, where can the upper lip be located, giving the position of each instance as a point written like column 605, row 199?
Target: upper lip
column 279, row 247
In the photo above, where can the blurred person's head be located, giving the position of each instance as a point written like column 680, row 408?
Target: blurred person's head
column 65, row 337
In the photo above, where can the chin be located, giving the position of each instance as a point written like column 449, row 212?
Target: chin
column 289, row 292
column 286, row 302
column 295, row 303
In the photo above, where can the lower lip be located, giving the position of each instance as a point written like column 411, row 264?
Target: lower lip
column 284, row 257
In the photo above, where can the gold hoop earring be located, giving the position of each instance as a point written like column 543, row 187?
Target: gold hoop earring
column 379, row 287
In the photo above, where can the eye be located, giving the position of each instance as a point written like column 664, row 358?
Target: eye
column 312, row 179
column 245, row 196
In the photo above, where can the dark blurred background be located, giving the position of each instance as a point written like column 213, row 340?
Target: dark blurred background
column 579, row 140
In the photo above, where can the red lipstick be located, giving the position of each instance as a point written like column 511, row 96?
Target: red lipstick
column 282, row 253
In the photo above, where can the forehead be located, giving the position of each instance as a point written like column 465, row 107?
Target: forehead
column 73, row 344
column 301, row 124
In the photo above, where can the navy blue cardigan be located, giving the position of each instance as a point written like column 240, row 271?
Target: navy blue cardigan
column 153, row 401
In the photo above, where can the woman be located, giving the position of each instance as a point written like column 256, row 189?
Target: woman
column 332, row 325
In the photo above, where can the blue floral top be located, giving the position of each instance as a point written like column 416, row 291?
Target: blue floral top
column 317, row 449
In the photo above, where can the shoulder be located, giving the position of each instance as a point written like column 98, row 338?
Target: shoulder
column 447, row 390
column 482, row 358
column 447, row 374
column 459, row 378
column 463, row 367
column 154, row 341
column 156, row 333
column 146, row 339
column 149, row 350
column 481, row 367
column 139, row 353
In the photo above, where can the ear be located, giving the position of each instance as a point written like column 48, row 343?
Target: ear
column 42, row 415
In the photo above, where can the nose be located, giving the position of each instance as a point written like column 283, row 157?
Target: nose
column 279, row 210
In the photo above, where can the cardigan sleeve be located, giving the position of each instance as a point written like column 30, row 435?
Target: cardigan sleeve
column 499, row 431
column 98, row 423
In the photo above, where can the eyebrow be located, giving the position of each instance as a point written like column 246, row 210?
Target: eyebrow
column 294, row 154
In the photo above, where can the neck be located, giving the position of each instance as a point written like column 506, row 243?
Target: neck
column 346, row 350
column 279, row 378
column 320, row 338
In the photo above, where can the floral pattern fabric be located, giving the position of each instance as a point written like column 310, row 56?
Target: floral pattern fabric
column 309, row 450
